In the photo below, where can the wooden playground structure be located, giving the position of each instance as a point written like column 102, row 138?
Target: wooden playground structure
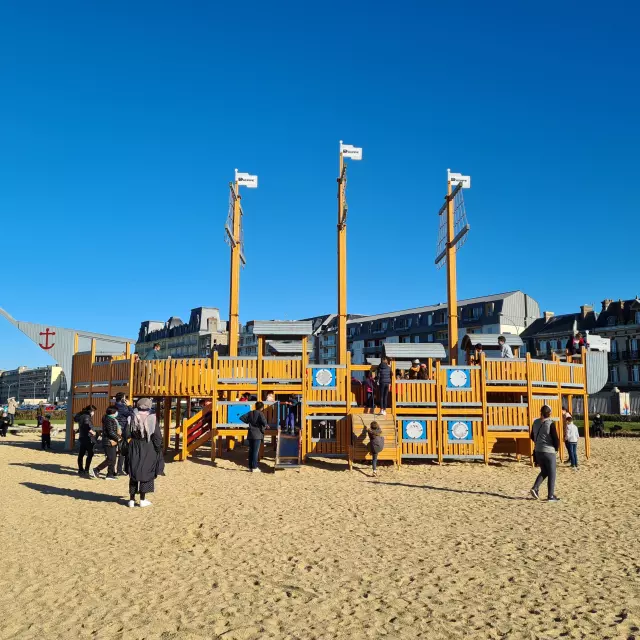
column 461, row 412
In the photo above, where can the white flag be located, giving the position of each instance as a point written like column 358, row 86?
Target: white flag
column 457, row 178
column 349, row 151
column 246, row 180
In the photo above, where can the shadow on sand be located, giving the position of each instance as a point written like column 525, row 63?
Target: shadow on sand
column 47, row 468
column 446, row 489
column 77, row 494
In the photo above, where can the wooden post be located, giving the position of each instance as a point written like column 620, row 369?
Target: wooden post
column 304, row 432
column 178, row 423
column 70, row 435
column 259, row 365
column 342, row 264
column 214, row 406
column 234, row 286
column 485, row 418
column 530, row 417
column 167, row 423
column 452, row 293
column 440, row 428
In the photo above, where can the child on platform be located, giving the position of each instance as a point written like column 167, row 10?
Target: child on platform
column 46, row 433
column 370, row 391
column 571, row 437
column 376, row 444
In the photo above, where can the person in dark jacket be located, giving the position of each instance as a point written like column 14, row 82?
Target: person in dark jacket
column 376, row 444
column 144, row 452
column 370, row 392
column 86, row 437
column 125, row 414
column 545, row 437
column 257, row 424
column 385, row 376
column 154, row 354
column 415, row 370
column 5, row 423
column 110, row 438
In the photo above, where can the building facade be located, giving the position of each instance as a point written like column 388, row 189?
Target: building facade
column 509, row 312
column 620, row 322
column 550, row 333
column 41, row 383
column 204, row 333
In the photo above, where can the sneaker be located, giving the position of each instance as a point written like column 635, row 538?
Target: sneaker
column 93, row 473
column 553, row 499
column 383, row 413
column 375, row 474
column 256, row 470
column 575, row 468
column 534, row 493
column 131, row 504
column 110, row 478
column 145, row 503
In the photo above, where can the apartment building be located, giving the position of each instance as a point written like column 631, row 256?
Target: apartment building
column 39, row 383
column 510, row 312
column 204, row 333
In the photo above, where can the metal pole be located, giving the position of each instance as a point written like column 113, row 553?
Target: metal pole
column 452, row 293
column 342, row 268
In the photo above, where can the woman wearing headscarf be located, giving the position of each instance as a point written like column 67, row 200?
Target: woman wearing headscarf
column 143, row 453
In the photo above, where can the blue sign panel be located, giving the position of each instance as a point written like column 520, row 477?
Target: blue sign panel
column 459, row 431
column 323, row 377
column 414, row 430
column 458, row 379
column 234, row 411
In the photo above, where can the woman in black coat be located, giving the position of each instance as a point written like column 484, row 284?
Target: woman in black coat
column 143, row 452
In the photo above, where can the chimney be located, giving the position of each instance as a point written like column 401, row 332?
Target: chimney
column 586, row 309
column 548, row 315
column 606, row 303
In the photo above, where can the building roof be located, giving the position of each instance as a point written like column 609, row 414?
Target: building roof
column 435, row 307
column 282, row 328
column 288, row 347
column 413, row 350
column 622, row 310
column 563, row 324
column 489, row 340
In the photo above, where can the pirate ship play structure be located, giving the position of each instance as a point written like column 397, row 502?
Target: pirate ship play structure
column 462, row 411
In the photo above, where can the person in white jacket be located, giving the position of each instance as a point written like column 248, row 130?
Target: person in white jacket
column 571, row 437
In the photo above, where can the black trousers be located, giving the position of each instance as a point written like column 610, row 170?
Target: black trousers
column 85, row 448
column 46, row 441
column 111, row 453
column 384, row 396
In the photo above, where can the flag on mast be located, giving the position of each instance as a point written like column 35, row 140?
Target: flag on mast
column 246, row 180
column 349, row 151
column 457, row 178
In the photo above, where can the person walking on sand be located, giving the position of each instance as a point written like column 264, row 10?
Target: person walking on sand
column 546, row 443
column 376, row 444
column 385, row 376
column 4, row 424
column 46, row 433
column 87, row 438
column 143, row 453
column 257, row 424
column 111, row 434
column 12, row 405
column 571, row 437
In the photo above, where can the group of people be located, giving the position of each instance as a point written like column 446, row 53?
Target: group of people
column 132, row 444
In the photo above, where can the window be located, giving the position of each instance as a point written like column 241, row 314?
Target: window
column 385, row 325
column 613, row 375
column 330, row 339
column 441, row 336
column 635, row 373
column 378, row 327
column 637, row 317
column 352, row 331
column 416, row 339
column 371, row 343
column 611, row 321
column 430, row 337
column 614, row 346
column 475, row 312
column 441, row 317
column 430, row 319
column 489, row 308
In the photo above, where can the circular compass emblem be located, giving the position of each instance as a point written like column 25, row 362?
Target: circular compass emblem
column 458, row 378
column 414, row 429
column 460, row 430
column 324, row 377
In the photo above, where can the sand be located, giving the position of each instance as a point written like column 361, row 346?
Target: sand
column 424, row 552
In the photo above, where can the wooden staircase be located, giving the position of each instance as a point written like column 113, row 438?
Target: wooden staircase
column 359, row 448
column 194, row 432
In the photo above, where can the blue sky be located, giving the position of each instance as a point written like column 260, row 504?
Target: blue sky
column 121, row 124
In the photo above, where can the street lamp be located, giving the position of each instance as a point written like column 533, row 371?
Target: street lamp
column 8, row 384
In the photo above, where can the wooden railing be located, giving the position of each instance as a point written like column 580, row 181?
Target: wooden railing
column 236, row 369
column 508, row 417
column 410, row 392
column 275, row 368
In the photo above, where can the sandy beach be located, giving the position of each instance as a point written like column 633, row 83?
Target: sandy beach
column 423, row 552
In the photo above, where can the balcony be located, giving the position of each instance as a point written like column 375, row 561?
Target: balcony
column 632, row 354
column 614, row 356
